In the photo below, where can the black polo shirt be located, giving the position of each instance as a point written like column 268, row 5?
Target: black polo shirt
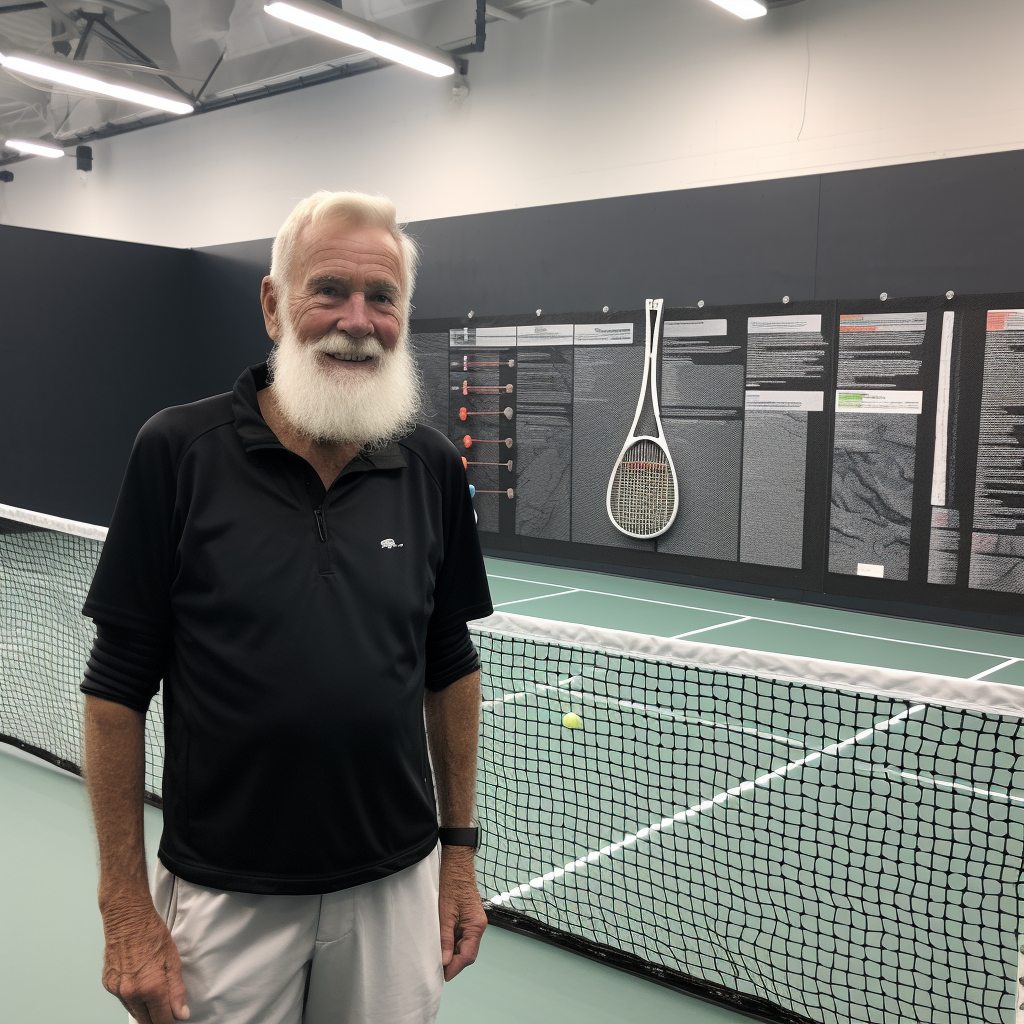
column 295, row 623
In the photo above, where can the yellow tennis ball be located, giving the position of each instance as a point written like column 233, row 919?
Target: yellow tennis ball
column 572, row 720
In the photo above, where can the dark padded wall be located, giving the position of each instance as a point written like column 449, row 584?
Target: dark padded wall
column 96, row 336
column 913, row 229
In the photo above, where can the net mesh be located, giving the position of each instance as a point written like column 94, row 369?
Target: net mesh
column 806, row 853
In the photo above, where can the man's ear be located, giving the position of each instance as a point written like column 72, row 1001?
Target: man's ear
column 271, row 308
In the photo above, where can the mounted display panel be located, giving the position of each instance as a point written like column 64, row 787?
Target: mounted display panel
column 867, row 450
column 540, row 408
column 927, row 489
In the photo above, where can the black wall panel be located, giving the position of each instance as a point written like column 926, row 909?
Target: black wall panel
column 95, row 337
column 922, row 229
column 98, row 335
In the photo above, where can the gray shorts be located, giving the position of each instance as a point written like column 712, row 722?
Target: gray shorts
column 366, row 955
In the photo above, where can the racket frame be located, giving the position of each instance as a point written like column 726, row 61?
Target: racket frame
column 651, row 337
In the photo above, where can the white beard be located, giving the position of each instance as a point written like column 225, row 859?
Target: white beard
column 368, row 407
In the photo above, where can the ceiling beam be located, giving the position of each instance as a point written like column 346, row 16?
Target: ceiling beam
column 497, row 12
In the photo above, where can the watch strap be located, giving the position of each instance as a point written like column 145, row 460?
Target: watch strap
column 460, row 836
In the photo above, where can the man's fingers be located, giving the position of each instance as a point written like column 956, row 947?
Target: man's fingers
column 465, row 956
column 138, row 1011
column 447, row 942
column 467, row 949
column 148, row 998
column 177, row 993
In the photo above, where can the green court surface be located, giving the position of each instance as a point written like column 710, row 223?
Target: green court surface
column 51, row 939
column 733, row 620
column 50, row 935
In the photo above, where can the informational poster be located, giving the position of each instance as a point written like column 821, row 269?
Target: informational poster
column 785, row 381
column 997, row 539
column 702, row 413
column 544, row 427
column 482, row 409
column 875, row 450
column 878, row 402
column 608, row 363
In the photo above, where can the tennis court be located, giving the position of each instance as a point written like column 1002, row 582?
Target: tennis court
column 795, row 843
column 850, row 856
column 662, row 609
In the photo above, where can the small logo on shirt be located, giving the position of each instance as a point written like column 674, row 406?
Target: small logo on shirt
column 389, row 543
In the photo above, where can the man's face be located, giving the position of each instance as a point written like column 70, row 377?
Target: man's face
column 342, row 369
column 347, row 279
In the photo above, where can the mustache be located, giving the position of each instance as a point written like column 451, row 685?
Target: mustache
column 340, row 343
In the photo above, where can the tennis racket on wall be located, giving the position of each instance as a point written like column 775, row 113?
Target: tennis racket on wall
column 643, row 492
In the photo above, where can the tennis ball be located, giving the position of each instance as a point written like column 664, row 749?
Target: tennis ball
column 572, row 720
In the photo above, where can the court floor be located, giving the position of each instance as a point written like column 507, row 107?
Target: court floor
column 50, row 934
column 734, row 620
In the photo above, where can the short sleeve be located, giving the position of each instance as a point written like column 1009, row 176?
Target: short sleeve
column 460, row 591
column 132, row 585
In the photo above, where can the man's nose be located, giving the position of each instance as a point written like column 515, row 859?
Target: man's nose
column 354, row 318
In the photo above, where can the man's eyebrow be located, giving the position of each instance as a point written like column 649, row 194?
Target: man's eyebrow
column 382, row 284
column 325, row 279
column 374, row 284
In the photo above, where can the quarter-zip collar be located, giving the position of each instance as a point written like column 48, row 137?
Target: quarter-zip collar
column 255, row 434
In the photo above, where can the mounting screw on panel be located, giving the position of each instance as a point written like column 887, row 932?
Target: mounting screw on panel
column 539, row 311
column 950, row 295
column 884, row 296
column 470, row 314
column 700, row 304
column 604, row 309
column 785, row 299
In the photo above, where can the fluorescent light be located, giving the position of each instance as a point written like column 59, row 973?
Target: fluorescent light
column 80, row 78
column 365, row 35
column 743, row 8
column 33, row 148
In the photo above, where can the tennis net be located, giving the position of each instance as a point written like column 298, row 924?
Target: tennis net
column 799, row 839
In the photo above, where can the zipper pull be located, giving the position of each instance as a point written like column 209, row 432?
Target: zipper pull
column 321, row 527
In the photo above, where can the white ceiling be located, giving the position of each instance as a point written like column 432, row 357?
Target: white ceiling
column 221, row 51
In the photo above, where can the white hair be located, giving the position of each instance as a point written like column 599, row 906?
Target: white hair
column 357, row 209
column 369, row 407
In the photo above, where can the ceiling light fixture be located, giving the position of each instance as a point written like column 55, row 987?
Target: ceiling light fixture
column 346, row 28
column 33, row 148
column 745, row 9
column 83, row 79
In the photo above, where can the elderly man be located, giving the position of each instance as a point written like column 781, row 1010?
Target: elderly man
column 297, row 560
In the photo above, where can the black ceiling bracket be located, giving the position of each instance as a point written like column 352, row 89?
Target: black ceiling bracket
column 477, row 46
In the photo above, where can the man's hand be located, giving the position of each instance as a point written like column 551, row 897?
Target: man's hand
column 141, row 965
column 460, row 910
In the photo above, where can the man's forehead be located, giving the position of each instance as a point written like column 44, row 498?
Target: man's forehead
column 337, row 243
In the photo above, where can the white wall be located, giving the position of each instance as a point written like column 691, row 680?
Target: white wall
column 572, row 103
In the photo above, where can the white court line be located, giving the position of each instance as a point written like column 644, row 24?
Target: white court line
column 717, row 625
column 538, row 597
column 762, row 618
column 995, row 668
column 678, row 716
column 705, row 805
column 653, row 709
column 960, row 787
column 509, row 698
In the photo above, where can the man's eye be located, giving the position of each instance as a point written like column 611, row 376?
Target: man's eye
column 382, row 297
column 326, row 290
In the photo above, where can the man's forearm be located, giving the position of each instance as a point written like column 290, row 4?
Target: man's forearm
column 114, row 770
column 453, row 725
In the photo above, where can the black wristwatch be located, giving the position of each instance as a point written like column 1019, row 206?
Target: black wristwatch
column 460, row 836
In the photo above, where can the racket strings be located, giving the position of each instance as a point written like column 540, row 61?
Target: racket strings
column 643, row 492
